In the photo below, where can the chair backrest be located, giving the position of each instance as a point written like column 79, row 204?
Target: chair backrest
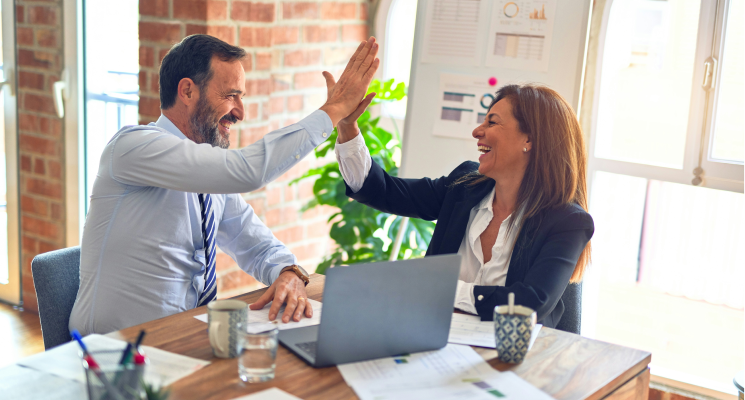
column 56, row 279
column 571, row 320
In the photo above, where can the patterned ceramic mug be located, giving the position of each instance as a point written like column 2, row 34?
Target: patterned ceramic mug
column 224, row 319
column 513, row 332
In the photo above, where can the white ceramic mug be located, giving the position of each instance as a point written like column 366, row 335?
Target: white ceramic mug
column 224, row 318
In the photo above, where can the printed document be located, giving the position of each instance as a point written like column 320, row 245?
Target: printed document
column 471, row 330
column 259, row 316
column 64, row 361
column 453, row 372
column 451, row 32
column 269, row 394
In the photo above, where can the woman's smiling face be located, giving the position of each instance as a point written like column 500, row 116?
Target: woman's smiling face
column 501, row 142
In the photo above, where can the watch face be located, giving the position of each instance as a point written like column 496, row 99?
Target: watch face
column 302, row 270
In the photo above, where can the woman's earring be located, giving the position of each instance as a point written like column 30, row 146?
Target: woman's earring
column 525, row 149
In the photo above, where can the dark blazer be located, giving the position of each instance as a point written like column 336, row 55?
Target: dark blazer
column 546, row 249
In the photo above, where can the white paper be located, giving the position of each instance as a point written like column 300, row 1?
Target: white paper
column 269, row 394
column 451, row 32
column 463, row 104
column 163, row 369
column 520, row 34
column 471, row 330
column 454, row 372
column 259, row 316
column 17, row 382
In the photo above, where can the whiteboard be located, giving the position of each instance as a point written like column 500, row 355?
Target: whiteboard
column 426, row 155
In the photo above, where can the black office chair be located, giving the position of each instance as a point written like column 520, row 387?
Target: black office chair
column 571, row 321
column 56, row 280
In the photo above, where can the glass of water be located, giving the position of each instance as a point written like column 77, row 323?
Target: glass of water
column 258, row 344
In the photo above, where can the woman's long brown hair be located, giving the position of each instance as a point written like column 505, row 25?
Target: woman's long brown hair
column 557, row 170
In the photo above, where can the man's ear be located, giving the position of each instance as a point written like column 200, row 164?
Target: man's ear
column 188, row 92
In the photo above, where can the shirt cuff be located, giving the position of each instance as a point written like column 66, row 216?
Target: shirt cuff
column 318, row 125
column 274, row 274
column 464, row 300
column 351, row 147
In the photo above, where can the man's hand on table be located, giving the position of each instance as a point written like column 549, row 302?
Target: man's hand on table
column 287, row 288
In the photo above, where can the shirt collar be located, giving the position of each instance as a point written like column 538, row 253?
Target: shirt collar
column 487, row 201
column 165, row 123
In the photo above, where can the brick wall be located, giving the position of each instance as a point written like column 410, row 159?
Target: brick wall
column 289, row 43
column 40, row 137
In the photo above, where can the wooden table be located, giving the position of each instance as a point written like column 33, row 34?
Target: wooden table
column 564, row 365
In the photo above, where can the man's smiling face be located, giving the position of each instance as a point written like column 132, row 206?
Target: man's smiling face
column 220, row 104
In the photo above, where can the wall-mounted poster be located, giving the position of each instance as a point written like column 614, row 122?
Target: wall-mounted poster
column 520, row 34
column 463, row 104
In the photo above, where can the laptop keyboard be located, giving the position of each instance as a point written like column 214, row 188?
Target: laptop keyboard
column 308, row 348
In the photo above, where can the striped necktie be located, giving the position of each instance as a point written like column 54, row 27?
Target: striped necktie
column 208, row 233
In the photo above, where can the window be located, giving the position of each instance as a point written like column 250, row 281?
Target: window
column 397, row 20
column 666, row 174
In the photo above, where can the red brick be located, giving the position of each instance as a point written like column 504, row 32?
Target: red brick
column 27, row 122
column 34, row 206
column 247, row 63
column 45, row 247
column 37, row 59
column 263, row 61
column 253, row 11
column 20, row 16
column 224, row 263
column 353, row 33
column 33, row 144
column 258, row 87
column 363, row 12
column 43, row 188
column 281, row 82
column 194, row 29
column 54, row 169
column 166, row 33
column 289, row 189
column 281, row 216
column 295, row 103
column 300, row 10
column 217, row 10
column 154, row 8
column 222, row 32
column 313, row 79
column 46, row 37
column 284, row 35
column 307, row 252
column 25, row 36
column 289, row 235
column 318, row 34
column 42, row 15
column 39, row 227
column 255, row 37
column 147, row 56
column 277, row 105
column 305, row 191
column 190, row 9
column 50, row 126
column 258, row 205
column 29, row 294
column 57, row 212
column 338, row 10
column 253, row 134
column 25, row 163
column 302, row 58
column 30, row 80
column 161, row 55
column 252, row 111
column 39, row 167
column 273, row 196
column 149, row 106
column 235, row 280
column 28, row 244
column 318, row 229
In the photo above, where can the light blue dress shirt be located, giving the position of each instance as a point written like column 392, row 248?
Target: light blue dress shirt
column 142, row 254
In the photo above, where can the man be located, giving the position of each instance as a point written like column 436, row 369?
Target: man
column 166, row 193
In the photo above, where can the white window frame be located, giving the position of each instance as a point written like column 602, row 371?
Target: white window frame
column 11, row 293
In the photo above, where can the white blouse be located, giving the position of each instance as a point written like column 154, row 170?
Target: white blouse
column 355, row 163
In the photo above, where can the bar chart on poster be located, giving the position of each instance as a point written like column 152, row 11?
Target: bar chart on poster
column 464, row 51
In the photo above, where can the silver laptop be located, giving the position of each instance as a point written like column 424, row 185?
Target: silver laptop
column 380, row 310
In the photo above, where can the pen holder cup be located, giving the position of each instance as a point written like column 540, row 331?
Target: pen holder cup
column 108, row 380
column 512, row 332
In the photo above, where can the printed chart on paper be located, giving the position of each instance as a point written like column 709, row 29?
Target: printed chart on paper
column 520, row 34
column 463, row 104
column 451, row 33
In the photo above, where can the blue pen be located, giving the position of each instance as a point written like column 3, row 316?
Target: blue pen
column 79, row 339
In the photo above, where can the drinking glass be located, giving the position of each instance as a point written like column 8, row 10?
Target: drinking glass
column 258, row 345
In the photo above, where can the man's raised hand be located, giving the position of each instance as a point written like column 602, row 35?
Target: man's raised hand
column 345, row 96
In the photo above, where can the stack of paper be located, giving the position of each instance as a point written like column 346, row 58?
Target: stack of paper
column 64, row 361
column 471, row 330
column 261, row 316
column 454, row 372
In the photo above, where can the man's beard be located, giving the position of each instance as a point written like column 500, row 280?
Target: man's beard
column 205, row 129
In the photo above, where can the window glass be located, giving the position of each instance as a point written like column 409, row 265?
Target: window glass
column 399, row 44
column 728, row 142
column 3, row 183
column 646, row 81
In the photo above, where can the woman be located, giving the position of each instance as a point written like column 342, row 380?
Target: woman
column 518, row 217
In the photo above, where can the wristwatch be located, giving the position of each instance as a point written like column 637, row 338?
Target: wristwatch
column 299, row 271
